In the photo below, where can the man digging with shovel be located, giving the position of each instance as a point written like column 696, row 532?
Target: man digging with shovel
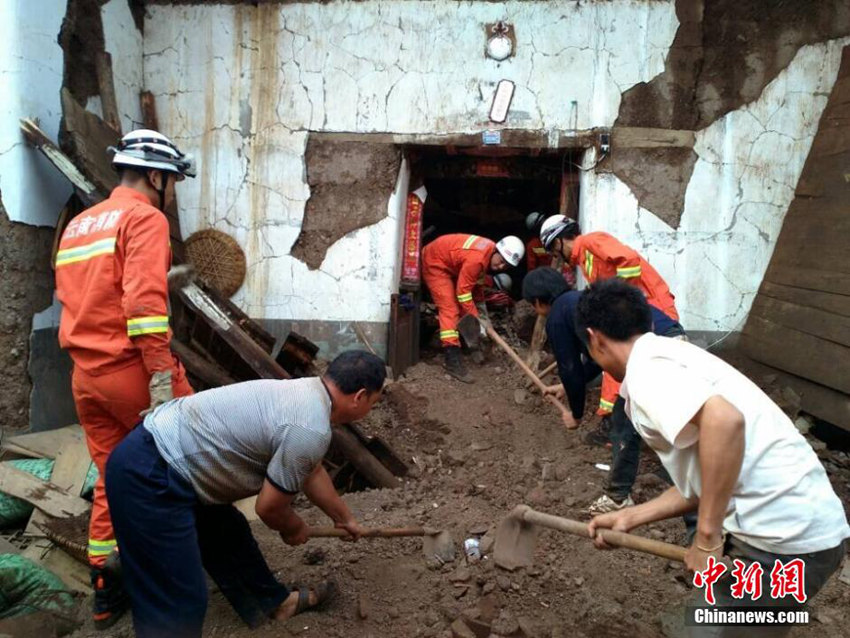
column 172, row 481
column 761, row 494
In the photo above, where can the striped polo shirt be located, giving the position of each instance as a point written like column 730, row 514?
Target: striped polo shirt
column 226, row 441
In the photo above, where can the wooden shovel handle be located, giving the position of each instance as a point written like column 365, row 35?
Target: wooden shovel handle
column 373, row 532
column 524, row 367
column 619, row 539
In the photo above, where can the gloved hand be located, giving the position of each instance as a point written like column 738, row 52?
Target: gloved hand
column 483, row 319
column 180, row 276
column 160, row 390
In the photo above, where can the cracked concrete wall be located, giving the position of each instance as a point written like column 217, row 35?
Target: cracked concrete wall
column 743, row 181
column 251, row 82
column 241, row 86
column 31, row 71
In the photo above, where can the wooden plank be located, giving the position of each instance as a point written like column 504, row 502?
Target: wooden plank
column 45, row 444
column 71, row 468
column 86, row 190
column 819, row 323
column 636, row 137
column 210, row 373
column 87, row 142
column 106, row 84
column 243, row 346
column 818, row 400
column 809, row 279
column 838, row 304
column 804, row 355
column 45, row 496
column 74, row 574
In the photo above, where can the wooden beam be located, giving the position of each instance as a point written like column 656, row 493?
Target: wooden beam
column 106, row 84
column 45, row 444
column 638, row 137
column 87, row 141
column 86, row 190
column 362, row 459
column 243, row 346
column 198, row 366
column 45, row 496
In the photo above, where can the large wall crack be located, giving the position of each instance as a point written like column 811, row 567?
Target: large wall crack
column 723, row 56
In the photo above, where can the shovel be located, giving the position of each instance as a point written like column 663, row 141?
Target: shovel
column 516, row 538
column 435, row 543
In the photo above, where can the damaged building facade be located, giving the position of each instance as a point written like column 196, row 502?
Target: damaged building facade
column 686, row 128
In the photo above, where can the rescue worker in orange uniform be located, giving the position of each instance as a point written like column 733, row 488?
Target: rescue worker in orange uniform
column 111, row 278
column 536, row 256
column 452, row 267
column 600, row 256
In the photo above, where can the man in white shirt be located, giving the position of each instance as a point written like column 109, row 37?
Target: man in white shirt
column 759, row 489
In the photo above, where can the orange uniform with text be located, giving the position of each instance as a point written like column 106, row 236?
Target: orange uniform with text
column 600, row 256
column 111, row 270
column 452, row 267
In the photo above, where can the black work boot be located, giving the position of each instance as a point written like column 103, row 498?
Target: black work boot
column 454, row 364
column 110, row 597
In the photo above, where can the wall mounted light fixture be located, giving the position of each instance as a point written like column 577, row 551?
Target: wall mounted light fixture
column 500, row 44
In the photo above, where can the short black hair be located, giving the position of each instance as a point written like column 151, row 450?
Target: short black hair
column 355, row 370
column 543, row 285
column 616, row 309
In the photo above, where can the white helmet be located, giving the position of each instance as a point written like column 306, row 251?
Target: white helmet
column 554, row 227
column 147, row 149
column 512, row 249
column 503, row 282
column 533, row 220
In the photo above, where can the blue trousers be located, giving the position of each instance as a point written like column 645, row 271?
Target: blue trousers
column 167, row 539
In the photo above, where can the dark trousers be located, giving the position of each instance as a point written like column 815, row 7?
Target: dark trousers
column 625, row 452
column 166, row 539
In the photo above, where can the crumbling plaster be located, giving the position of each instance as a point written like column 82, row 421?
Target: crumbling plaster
column 742, row 184
column 241, row 86
column 123, row 42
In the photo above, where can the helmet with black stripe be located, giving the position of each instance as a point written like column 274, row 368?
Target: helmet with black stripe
column 558, row 226
column 144, row 149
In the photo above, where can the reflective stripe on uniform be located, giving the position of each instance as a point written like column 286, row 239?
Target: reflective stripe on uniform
column 588, row 264
column 101, row 548
column 469, row 241
column 82, row 253
column 147, row 325
column 627, row 273
column 539, row 251
column 605, row 405
column 445, row 335
column 465, row 297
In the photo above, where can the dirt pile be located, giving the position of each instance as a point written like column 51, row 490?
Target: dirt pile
column 476, row 453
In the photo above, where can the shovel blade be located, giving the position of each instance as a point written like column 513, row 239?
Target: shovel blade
column 470, row 330
column 515, row 543
column 439, row 545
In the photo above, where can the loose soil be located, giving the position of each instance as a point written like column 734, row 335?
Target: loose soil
column 475, row 452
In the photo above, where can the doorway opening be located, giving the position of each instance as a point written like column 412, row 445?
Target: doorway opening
column 489, row 192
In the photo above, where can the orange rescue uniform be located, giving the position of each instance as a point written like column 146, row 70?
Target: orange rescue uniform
column 111, row 270
column 452, row 267
column 600, row 256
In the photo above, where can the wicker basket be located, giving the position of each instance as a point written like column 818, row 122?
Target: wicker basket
column 218, row 260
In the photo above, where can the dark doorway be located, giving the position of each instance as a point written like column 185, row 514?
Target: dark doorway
column 489, row 192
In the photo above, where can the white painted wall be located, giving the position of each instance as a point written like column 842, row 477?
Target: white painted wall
column 743, row 182
column 30, row 79
column 241, row 86
column 123, row 42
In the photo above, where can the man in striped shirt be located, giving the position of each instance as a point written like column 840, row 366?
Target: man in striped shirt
column 172, row 482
